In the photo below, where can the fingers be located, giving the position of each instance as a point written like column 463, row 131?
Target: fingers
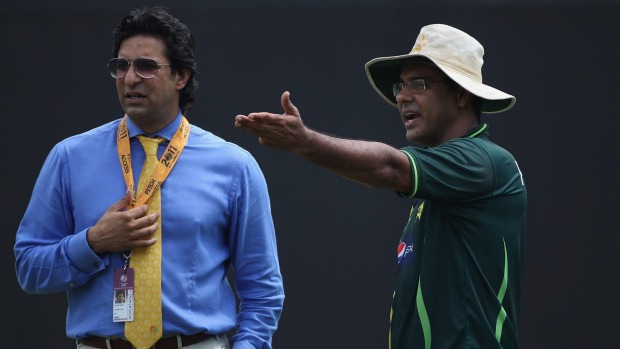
column 141, row 225
column 122, row 230
column 137, row 212
column 142, row 221
column 144, row 243
column 128, row 196
column 250, row 126
column 243, row 121
column 258, row 123
column 240, row 120
column 264, row 117
column 280, row 131
column 142, row 237
column 142, row 229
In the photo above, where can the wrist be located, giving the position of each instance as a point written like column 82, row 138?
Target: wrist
column 92, row 243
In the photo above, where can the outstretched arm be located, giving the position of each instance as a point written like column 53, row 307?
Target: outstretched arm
column 374, row 164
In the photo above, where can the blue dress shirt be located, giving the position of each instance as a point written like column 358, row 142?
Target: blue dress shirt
column 215, row 215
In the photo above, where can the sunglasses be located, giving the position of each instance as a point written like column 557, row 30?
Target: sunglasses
column 144, row 67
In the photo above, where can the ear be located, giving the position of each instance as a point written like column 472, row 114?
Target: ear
column 182, row 77
column 463, row 97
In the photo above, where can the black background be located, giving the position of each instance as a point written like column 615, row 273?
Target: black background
column 337, row 240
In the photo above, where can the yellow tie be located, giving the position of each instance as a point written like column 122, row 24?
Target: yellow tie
column 146, row 329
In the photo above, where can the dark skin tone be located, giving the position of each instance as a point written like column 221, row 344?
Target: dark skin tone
column 431, row 117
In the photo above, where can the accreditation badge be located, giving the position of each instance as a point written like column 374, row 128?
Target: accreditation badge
column 123, row 301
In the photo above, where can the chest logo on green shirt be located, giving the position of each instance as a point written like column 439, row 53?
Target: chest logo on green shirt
column 403, row 250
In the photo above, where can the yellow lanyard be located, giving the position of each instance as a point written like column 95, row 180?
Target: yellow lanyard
column 164, row 166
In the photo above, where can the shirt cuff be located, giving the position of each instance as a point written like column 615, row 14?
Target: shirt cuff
column 81, row 255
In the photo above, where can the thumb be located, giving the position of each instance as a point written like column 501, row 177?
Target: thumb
column 287, row 105
column 124, row 202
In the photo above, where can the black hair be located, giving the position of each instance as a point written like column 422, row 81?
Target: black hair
column 158, row 22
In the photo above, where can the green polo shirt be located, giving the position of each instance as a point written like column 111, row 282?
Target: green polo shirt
column 460, row 257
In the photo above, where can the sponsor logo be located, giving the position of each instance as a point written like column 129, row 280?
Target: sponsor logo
column 403, row 250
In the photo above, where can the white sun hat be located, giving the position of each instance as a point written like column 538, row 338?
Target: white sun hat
column 453, row 51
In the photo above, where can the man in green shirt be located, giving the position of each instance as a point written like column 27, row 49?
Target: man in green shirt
column 460, row 258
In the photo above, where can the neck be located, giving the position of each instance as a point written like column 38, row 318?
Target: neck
column 465, row 121
column 152, row 125
column 460, row 126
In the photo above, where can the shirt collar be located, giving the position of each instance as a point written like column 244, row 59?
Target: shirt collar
column 167, row 132
column 479, row 131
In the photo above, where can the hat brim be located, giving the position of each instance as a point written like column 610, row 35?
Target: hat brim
column 383, row 72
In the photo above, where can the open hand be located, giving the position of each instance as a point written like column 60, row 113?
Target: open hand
column 283, row 131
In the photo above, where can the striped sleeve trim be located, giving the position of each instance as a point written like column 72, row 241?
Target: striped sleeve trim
column 415, row 175
column 501, row 317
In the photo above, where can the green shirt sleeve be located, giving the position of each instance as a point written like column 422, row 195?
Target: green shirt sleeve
column 458, row 170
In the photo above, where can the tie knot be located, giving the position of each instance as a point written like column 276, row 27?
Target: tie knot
column 150, row 144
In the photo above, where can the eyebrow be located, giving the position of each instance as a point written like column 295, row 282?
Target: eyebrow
column 127, row 58
column 416, row 78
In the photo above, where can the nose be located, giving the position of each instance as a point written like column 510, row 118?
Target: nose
column 131, row 77
column 404, row 96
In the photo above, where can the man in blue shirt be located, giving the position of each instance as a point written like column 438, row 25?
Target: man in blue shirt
column 82, row 224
